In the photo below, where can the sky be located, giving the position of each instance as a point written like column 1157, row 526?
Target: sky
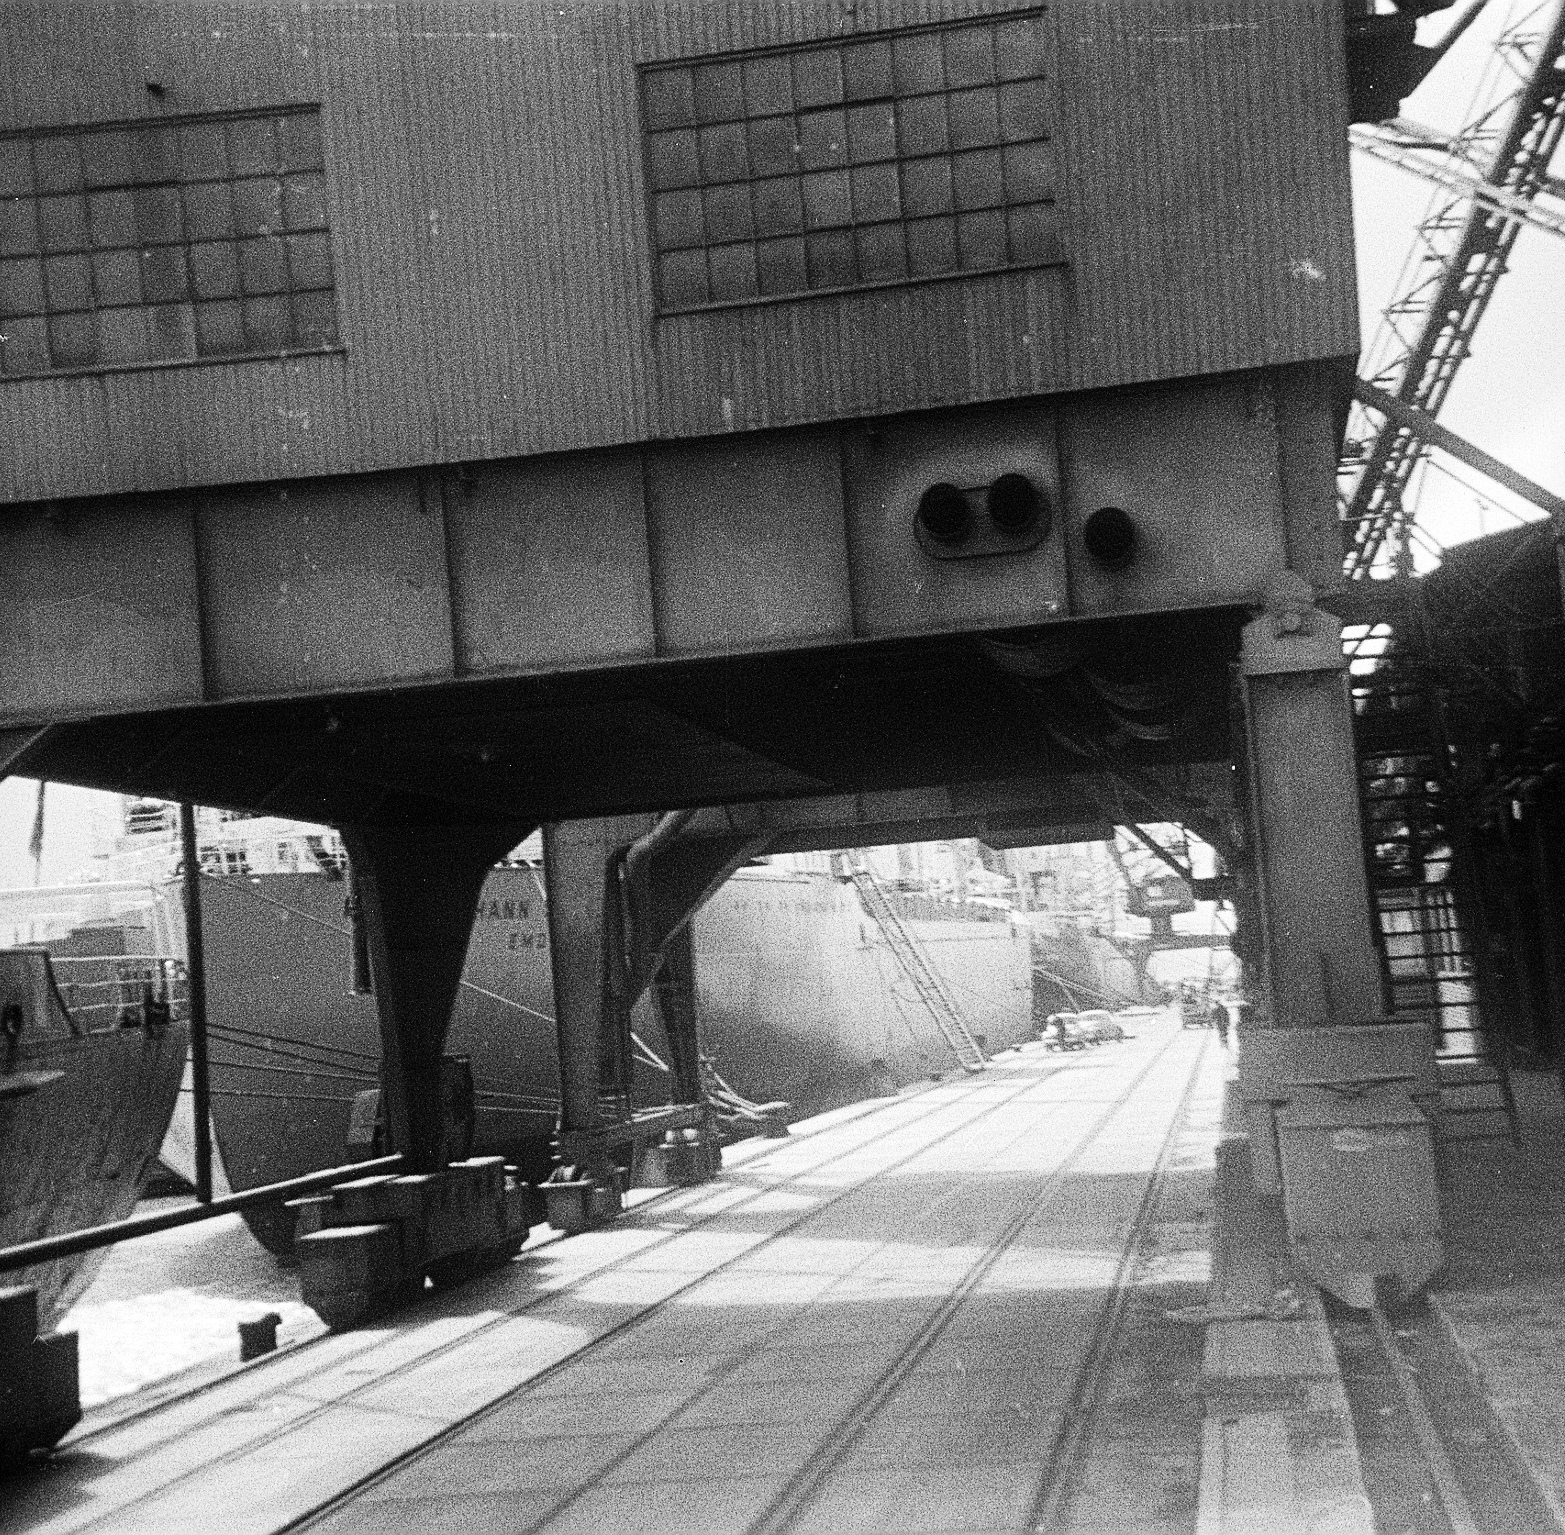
column 1508, row 395
column 1508, row 398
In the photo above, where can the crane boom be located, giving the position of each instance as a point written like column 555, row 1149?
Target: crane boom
column 1456, row 301
column 1440, row 160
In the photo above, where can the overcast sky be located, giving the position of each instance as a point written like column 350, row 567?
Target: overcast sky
column 1507, row 397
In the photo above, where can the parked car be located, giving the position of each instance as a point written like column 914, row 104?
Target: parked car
column 1063, row 1031
column 1100, row 1025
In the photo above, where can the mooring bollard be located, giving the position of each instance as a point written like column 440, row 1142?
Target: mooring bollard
column 258, row 1337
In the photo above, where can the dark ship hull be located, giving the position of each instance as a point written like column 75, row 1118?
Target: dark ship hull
column 82, row 1115
column 799, row 993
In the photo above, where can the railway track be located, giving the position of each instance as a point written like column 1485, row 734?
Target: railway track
column 804, row 1498
column 946, row 1196
column 1436, row 1460
column 1055, row 1491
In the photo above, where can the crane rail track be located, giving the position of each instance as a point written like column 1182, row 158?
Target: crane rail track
column 971, row 1248
column 1436, row 1459
column 1053, row 1495
column 193, row 1393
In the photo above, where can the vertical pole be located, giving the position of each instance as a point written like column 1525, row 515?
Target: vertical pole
column 676, row 993
column 1523, row 960
column 419, row 884
column 1544, row 876
column 195, row 971
column 359, row 980
column 575, row 857
column 1320, row 958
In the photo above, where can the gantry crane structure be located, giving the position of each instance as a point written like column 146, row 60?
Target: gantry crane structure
column 1416, row 786
column 1462, row 248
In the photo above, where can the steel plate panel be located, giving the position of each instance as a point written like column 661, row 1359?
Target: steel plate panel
column 324, row 586
column 98, row 605
column 747, row 542
column 549, row 563
column 1198, row 473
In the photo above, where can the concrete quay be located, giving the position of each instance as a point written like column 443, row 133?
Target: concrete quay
column 944, row 1311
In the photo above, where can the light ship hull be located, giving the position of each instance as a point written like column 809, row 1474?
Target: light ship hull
column 799, row 993
column 82, row 1116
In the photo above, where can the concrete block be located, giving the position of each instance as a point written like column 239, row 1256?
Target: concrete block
column 56, row 1396
column 350, row 1255
column 374, row 1240
column 367, row 1201
column 579, row 1204
column 1257, row 1353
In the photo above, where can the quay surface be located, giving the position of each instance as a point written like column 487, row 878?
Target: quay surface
column 163, row 1312
column 943, row 1311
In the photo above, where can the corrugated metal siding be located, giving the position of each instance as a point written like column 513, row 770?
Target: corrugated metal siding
column 486, row 204
column 1206, row 183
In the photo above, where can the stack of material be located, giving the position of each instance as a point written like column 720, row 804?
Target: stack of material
column 369, row 1244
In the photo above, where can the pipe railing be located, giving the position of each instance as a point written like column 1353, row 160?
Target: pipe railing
column 48, row 1249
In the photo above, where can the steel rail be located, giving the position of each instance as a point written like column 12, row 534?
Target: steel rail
column 47, row 1249
column 1448, row 1488
column 967, row 1090
column 807, row 1484
column 1053, row 1501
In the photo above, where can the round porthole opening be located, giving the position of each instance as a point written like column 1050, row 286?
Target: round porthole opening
column 1110, row 536
column 943, row 511
column 1013, row 504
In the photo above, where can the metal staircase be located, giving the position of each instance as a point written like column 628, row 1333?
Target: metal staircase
column 909, row 955
column 1413, row 833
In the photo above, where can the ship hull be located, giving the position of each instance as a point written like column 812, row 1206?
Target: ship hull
column 799, row 994
column 81, row 1120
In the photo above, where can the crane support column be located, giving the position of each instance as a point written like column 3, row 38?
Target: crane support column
column 622, row 892
column 577, row 859
column 1339, row 1099
column 418, row 887
column 366, row 1245
column 690, row 1154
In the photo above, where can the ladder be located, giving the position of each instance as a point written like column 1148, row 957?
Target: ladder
column 1412, row 837
column 909, row 955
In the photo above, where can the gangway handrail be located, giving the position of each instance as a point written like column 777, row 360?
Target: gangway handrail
column 904, row 947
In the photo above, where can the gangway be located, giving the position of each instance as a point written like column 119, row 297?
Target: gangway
column 909, row 954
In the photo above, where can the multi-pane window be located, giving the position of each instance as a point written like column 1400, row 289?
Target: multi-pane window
column 851, row 164
column 152, row 242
